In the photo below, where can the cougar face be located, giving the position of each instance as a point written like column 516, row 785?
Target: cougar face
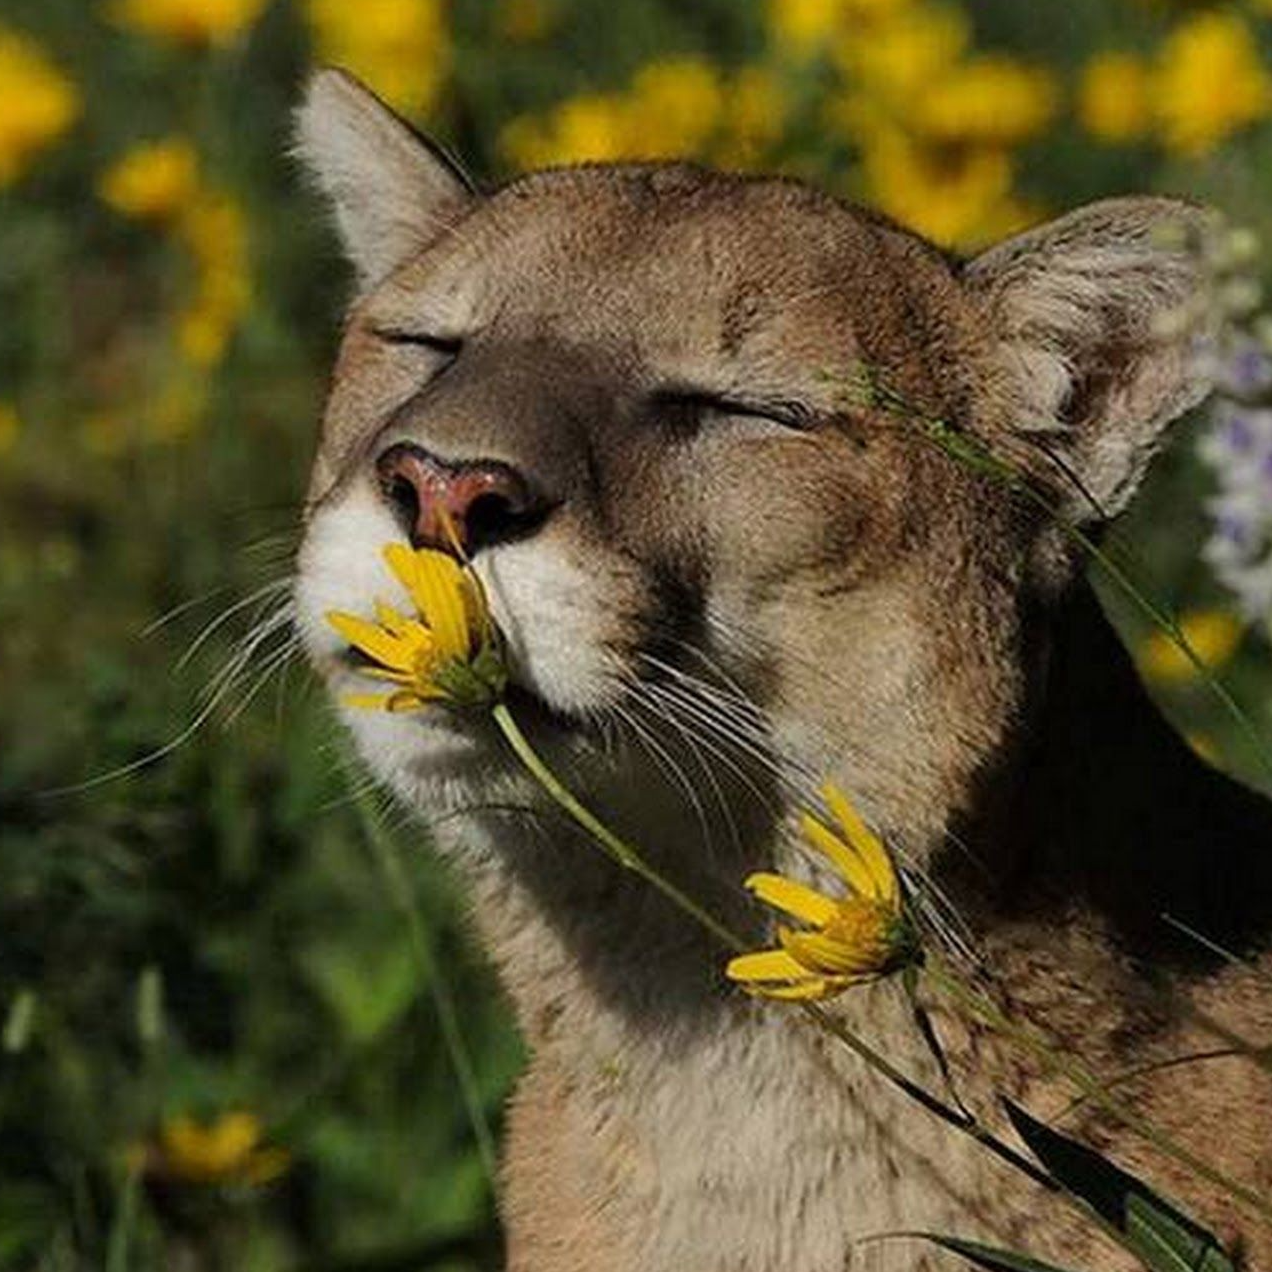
column 639, row 391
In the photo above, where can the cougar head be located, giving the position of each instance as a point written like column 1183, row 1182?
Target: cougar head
column 686, row 419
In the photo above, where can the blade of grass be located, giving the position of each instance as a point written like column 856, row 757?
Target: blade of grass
column 398, row 885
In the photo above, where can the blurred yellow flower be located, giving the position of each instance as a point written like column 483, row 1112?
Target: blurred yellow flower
column 676, row 106
column 399, row 47
column 196, row 23
column 1210, row 83
column 214, row 231
column 592, row 126
column 803, row 27
column 10, row 427
column 901, row 56
column 992, row 99
column 957, row 196
column 227, row 1151
column 673, row 108
column 1115, row 98
column 1213, row 634
column 37, row 103
column 756, row 108
column 154, row 181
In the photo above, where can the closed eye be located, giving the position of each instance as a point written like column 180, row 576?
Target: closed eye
column 447, row 346
column 690, row 409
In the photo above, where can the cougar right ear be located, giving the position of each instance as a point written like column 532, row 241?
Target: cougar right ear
column 392, row 190
column 1083, row 310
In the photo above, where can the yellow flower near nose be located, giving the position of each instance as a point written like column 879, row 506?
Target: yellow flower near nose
column 448, row 652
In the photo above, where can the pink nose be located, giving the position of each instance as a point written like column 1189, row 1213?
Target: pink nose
column 456, row 507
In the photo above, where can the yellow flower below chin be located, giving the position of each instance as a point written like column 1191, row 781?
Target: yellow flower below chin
column 37, row 103
column 445, row 654
column 845, row 941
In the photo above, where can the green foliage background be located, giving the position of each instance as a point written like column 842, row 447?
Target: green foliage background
column 241, row 924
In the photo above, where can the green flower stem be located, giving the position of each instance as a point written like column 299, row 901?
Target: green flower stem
column 989, row 1013
column 624, row 855
column 401, row 889
column 618, row 850
column 628, row 858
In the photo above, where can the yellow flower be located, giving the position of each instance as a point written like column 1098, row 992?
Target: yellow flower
column 213, row 230
column 957, row 196
column 675, row 106
column 754, row 117
column 37, row 103
column 400, row 47
column 905, row 53
column 226, row 1152
column 10, row 427
column 991, row 99
column 154, row 181
column 1213, row 634
column 590, row 127
column 1210, row 83
column 196, row 23
column 846, row 941
column 1114, row 97
column 447, row 654
column 802, row 27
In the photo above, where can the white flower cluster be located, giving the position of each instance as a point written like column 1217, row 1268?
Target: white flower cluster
column 1237, row 447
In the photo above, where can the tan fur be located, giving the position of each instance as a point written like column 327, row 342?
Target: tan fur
column 878, row 612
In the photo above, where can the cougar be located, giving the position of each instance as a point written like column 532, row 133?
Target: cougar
column 724, row 574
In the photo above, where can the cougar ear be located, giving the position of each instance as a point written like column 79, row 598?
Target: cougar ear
column 1096, row 359
column 391, row 189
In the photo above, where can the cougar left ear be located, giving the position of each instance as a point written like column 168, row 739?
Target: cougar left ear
column 1082, row 308
column 392, row 190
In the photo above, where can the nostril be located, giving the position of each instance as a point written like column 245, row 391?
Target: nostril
column 491, row 518
column 404, row 499
column 461, row 505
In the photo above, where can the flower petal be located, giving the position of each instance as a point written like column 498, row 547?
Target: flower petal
column 794, row 898
column 435, row 582
column 823, row 955
column 869, row 846
column 846, row 861
column 765, row 965
column 391, row 619
column 373, row 641
column 815, row 988
column 367, row 701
